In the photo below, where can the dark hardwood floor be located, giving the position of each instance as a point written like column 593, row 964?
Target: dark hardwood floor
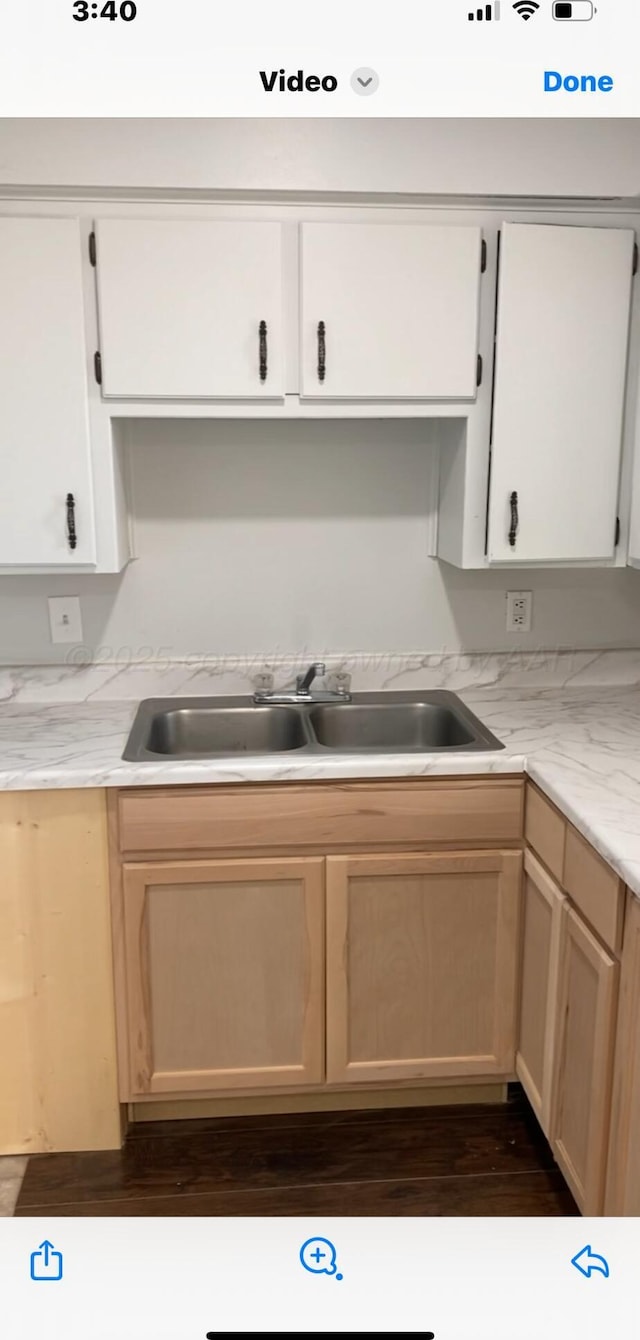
column 411, row 1161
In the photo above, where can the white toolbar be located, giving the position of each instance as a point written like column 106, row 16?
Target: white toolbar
column 193, row 1279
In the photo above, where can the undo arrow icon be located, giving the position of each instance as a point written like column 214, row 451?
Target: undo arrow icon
column 587, row 1262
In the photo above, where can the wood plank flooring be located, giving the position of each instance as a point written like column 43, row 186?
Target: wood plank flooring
column 12, row 1170
column 412, row 1161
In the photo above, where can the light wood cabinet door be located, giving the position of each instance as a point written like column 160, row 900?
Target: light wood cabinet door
column 421, row 965
column 542, row 907
column 583, row 1063
column 623, row 1171
column 181, row 304
column 561, row 363
column 44, row 409
column 398, row 309
column 224, row 967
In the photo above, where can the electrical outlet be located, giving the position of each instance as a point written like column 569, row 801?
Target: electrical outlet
column 519, row 609
column 65, row 619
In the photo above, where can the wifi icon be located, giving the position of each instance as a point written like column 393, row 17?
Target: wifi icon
column 526, row 8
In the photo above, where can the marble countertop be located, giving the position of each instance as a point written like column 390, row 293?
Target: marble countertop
column 579, row 742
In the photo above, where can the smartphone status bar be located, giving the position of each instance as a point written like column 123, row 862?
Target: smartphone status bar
column 292, row 59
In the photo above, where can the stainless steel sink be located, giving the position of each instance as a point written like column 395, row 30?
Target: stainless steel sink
column 185, row 732
column 385, row 727
column 372, row 723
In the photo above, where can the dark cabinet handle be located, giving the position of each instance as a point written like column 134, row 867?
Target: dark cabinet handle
column 72, row 538
column 322, row 351
column 262, row 332
column 515, row 520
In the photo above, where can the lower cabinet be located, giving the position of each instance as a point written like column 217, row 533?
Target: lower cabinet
column 224, row 974
column 568, row 999
column 58, row 1065
column 543, row 904
column 569, row 988
column 250, row 972
column 623, row 1172
column 225, row 961
column 421, row 965
column 587, row 1003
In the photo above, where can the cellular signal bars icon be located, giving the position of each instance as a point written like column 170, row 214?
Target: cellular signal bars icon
column 486, row 13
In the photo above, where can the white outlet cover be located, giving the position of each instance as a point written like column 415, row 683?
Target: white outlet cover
column 519, row 609
column 65, row 619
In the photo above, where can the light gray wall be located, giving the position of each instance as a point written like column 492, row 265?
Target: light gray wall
column 265, row 539
column 565, row 158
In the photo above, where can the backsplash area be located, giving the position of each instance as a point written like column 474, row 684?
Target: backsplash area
column 526, row 672
column 299, row 539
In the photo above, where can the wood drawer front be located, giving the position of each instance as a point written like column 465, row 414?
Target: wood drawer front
column 595, row 889
column 321, row 817
column 544, row 830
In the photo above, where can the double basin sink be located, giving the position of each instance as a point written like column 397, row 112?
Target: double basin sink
column 370, row 723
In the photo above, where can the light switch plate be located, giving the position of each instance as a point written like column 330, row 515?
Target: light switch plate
column 65, row 619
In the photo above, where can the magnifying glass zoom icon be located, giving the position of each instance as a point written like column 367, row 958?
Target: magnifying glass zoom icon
column 319, row 1257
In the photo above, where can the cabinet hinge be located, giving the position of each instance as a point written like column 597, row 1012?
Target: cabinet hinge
column 93, row 255
column 635, row 258
column 617, row 538
column 97, row 365
column 479, row 367
column 483, row 257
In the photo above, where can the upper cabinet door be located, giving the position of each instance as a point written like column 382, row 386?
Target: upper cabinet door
column 190, row 310
column 44, row 425
column 563, row 327
column 389, row 311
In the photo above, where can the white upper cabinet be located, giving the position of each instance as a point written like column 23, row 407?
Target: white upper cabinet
column 190, row 309
column 563, row 328
column 46, row 501
column 634, row 527
column 389, row 311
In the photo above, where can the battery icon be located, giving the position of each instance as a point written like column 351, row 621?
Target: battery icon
column 576, row 11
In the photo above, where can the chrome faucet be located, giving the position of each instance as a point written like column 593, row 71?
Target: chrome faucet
column 304, row 682
column 303, row 692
